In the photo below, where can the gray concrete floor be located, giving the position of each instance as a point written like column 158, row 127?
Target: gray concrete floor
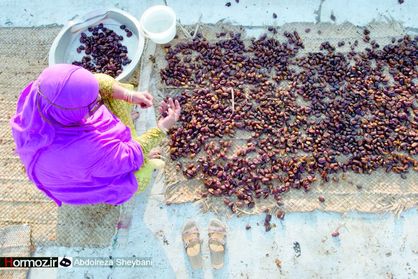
column 370, row 245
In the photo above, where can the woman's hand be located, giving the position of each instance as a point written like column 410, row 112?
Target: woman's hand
column 141, row 98
column 170, row 113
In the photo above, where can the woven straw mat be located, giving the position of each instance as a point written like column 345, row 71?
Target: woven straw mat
column 377, row 192
column 24, row 54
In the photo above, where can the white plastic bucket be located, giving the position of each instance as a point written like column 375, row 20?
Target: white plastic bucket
column 158, row 23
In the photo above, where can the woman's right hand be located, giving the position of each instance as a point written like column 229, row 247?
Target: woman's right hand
column 170, row 112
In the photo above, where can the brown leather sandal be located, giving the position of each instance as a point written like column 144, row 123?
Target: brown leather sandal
column 192, row 244
column 217, row 241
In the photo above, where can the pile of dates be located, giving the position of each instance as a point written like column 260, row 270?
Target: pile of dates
column 310, row 116
column 103, row 50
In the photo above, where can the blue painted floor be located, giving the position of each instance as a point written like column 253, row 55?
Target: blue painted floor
column 369, row 245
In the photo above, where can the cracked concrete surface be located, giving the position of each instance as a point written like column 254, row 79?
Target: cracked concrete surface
column 318, row 12
column 246, row 12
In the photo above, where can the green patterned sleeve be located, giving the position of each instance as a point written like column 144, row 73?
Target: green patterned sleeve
column 150, row 139
column 105, row 85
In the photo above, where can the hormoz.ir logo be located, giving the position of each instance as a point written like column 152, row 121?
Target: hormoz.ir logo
column 35, row 262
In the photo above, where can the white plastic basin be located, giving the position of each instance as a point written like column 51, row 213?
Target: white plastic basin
column 63, row 49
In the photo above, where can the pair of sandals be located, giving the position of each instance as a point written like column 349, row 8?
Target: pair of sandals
column 193, row 243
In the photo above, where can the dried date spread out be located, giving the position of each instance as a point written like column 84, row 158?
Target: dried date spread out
column 267, row 220
column 335, row 234
column 310, row 116
column 103, row 49
column 296, row 248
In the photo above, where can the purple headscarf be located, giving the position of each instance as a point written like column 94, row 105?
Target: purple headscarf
column 73, row 157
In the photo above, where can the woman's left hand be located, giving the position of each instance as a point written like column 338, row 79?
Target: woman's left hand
column 142, row 98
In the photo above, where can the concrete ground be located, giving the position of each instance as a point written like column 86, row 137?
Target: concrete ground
column 369, row 245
